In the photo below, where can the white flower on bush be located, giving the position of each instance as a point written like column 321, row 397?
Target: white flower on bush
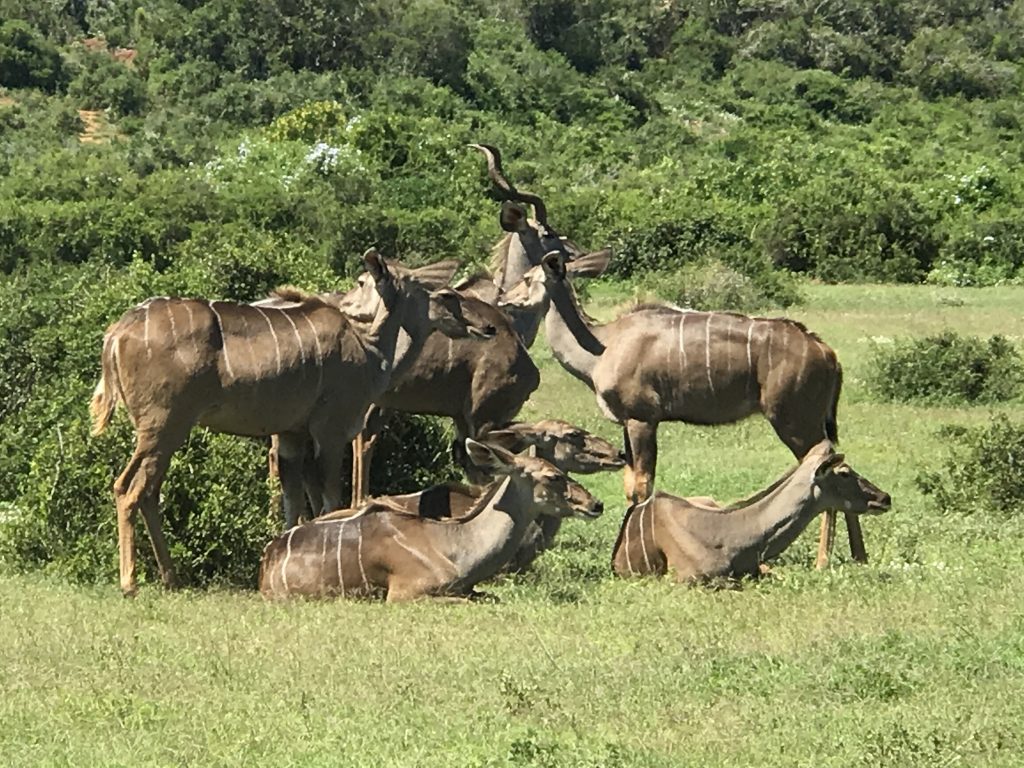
column 323, row 157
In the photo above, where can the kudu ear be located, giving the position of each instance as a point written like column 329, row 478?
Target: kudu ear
column 376, row 265
column 829, row 463
column 489, row 458
column 554, row 264
column 591, row 264
column 434, row 276
column 512, row 217
column 504, row 438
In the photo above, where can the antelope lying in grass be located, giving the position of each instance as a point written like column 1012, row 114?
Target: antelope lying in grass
column 302, row 372
column 568, row 448
column 660, row 363
column 696, row 541
column 385, row 549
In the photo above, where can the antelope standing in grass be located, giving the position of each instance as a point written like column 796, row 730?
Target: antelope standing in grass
column 660, row 363
column 695, row 541
column 479, row 387
column 386, row 549
column 303, row 373
column 567, row 447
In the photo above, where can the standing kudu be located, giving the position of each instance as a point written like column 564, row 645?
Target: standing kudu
column 659, row 363
column 478, row 386
column 385, row 549
column 696, row 542
column 303, row 373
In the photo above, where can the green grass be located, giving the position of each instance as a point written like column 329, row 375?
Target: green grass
column 914, row 660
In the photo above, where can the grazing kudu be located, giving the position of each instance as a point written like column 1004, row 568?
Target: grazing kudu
column 567, row 447
column 303, row 373
column 697, row 542
column 660, row 363
column 386, row 549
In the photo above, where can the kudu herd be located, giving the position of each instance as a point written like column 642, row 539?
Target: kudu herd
column 316, row 371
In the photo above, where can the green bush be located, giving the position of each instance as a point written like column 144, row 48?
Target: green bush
column 947, row 369
column 27, row 59
column 982, row 473
column 712, row 285
column 104, row 83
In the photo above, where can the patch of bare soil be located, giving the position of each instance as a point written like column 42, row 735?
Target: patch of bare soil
column 94, row 122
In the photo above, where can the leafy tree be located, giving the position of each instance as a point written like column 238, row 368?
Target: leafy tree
column 27, row 59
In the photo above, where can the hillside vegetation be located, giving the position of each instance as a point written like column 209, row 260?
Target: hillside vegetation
column 221, row 148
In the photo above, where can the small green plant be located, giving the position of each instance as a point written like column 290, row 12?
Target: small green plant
column 947, row 368
column 982, row 472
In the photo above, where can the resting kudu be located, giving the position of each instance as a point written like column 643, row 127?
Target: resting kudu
column 303, row 373
column 696, row 541
column 478, row 386
column 660, row 363
column 386, row 549
column 567, row 447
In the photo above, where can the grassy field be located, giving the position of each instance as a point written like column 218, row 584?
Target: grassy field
column 916, row 659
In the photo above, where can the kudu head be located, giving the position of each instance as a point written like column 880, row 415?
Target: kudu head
column 553, row 493
column 534, row 289
column 531, row 238
column 836, row 485
column 568, row 447
column 428, row 304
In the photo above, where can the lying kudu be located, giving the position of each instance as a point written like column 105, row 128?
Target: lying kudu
column 386, row 549
column 302, row 372
column 697, row 541
column 568, row 448
column 660, row 363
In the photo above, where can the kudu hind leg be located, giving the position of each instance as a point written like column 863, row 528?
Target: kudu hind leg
column 138, row 488
column 291, row 457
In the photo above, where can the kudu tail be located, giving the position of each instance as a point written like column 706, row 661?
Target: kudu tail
column 107, row 393
column 831, row 424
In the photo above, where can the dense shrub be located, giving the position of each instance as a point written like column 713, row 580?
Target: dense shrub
column 712, row 285
column 982, row 473
column 947, row 369
column 104, row 83
column 27, row 59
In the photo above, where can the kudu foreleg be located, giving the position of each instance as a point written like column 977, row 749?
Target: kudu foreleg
column 642, row 459
column 826, row 539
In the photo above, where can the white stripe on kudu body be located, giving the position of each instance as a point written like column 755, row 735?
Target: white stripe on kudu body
column 640, row 524
column 337, row 555
column 298, row 338
column 223, row 340
column 707, row 352
column 273, row 333
column 145, row 332
column 174, row 329
column 319, row 351
column 287, row 557
column 191, row 328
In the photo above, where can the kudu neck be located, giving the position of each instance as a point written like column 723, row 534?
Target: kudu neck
column 570, row 335
column 488, row 538
column 770, row 524
column 386, row 339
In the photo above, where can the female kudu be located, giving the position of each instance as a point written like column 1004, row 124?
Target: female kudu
column 697, row 542
column 386, row 549
column 303, row 373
